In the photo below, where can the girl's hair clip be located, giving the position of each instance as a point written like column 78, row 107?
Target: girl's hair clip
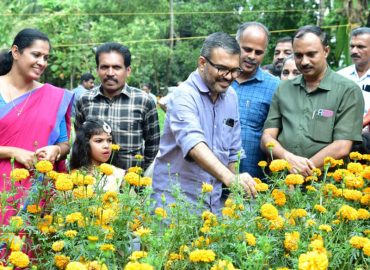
column 107, row 128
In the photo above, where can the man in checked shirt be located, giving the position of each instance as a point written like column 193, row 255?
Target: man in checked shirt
column 130, row 111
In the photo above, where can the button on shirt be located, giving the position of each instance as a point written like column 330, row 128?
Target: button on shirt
column 192, row 118
column 364, row 82
column 309, row 121
column 133, row 117
column 254, row 96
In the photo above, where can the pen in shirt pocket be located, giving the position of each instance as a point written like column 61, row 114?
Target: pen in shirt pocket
column 247, row 103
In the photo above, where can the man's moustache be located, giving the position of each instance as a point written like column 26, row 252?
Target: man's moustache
column 110, row 79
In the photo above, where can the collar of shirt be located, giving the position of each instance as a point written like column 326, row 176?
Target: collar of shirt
column 197, row 80
column 258, row 76
column 125, row 91
column 325, row 84
column 353, row 72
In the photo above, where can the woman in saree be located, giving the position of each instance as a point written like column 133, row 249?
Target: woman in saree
column 34, row 117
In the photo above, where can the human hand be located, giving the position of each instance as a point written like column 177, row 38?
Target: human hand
column 247, row 183
column 24, row 157
column 299, row 164
column 50, row 153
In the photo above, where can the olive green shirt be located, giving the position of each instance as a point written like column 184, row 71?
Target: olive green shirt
column 308, row 122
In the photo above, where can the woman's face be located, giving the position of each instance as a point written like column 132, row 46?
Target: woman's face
column 100, row 146
column 32, row 62
column 289, row 70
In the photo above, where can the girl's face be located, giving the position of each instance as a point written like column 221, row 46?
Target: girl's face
column 100, row 146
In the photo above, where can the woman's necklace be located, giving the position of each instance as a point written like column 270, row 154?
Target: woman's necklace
column 19, row 111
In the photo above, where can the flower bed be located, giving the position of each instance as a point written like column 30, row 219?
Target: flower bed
column 319, row 222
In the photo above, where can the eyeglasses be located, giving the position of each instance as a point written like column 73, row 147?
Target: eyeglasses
column 224, row 71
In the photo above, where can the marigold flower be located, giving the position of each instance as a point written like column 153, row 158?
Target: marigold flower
column 61, row 261
column 228, row 212
column 80, row 179
column 320, row 208
column 354, row 167
column 311, row 178
column 355, row 156
column 106, row 168
column 75, row 217
column 95, row 265
column 298, row 213
column 250, row 239
column 352, row 195
column 136, row 180
column 358, row 241
column 16, row 244
column 202, row 255
column 325, row 227
column 294, row 179
column 229, row 202
column 340, row 174
column 44, row 166
column 352, row 181
column 365, row 199
column 363, row 214
column 270, row 145
column 366, row 173
column 329, row 189
column 329, row 161
column 176, row 257
column 82, row 192
column 136, row 255
column 311, row 188
column 93, row 238
column 75, row 266
column 206, row 188
column 19, row 174
column 279, row 197
column 110, row 197
column 277, row 224
column 278, row 165
column 136, row 169
column 201, row 241
column 347, row 212
column 261, row 187
column 107, row 247
column 262, row 164
column 115, row 147
column 63, row 182
column 142, row 231
column 269, row 211
column 291, row 241
column 138, row 266
column 366, row 249
column 33, row 208
column 19, row 259
column 313, row 260
column 53, row 175
column 70, row 233
column 57, row 246
column 159, row 211
column 16, row 221
column 310, row 223
column 223, row 265
column 139, row 157
column 317, row 172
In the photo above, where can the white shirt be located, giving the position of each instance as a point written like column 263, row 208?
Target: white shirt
column 364, row 82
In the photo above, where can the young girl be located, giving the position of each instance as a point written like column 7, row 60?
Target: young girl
column 92, row 147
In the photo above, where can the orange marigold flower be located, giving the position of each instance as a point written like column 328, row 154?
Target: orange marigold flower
column 354, row 167
column 352, row 181
column 294, row 179
column 136, row 169
column 366, row 249
column 278, row 165
column 291, row 241
column 329, row 161
column 365, row 199
column 317, row 172
column 340, row 174
column 257, row 180
column 298, row 213
column 366, row 173
column 269, row 211
column 320, row 208
column 61, row 261
column 277, row 224
column 44, row 166
column 33, row 208
column 279, row 197
column 355, row 156
column 313, row 260
column 261, row 187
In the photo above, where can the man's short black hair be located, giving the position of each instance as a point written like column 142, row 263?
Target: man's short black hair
column 114, row 47
column 314, row 30
column 86, row 77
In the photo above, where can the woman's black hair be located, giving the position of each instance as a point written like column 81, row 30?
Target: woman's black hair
column 24, row 39
column 81, row 149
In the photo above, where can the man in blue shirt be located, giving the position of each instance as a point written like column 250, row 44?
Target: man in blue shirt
column 201, row 137
column 86, row 84
column 255, row 89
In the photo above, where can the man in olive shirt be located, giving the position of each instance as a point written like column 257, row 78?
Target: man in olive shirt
column 317, row 114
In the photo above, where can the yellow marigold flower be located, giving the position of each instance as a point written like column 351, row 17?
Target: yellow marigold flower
column 19, row 259
column 298, row 213
column 358, row 241
column 355, row 156
column 250, row 239
column 176, row 257
column 93, row 238
column 317, row 172
column 202, row 255
column 336, row 222
column 33, row 208
column 134, row 224
column 366, row 232
column 278, row 165
column 95, row 265
column 310, row 223
column 106, row 216
column 354, row 167
column 365, row 200
column 366, row 173
column 313, row 260
column 115, row 147
column 279, row 197
column 366, row 249
column 340, row 174
column 317, row 245
column 76, row 217
column 75, row 266
column 354, row 181
column 269, row 211
column 136, row 255
column 325, row 227
column 329, row 161
column 57, row 246
column 208, row 215
column 291, row 241
column 270, row 145
column 352, row 195
column 138, row 266
column 277, row 224
column 329, row 189
column 61, row 261
column 228, row 212
column 320, row 208
column 366, row 190
column 261, row 187
column 83, row 192
column 159, row 211
column 53, row 175
column 136, row 169
column 229, row 202
column 201, row 242
column 80, row 179
column 294, row 179
column 262, row 164
column 110, row 197
column 206, row 188
column 139, row 157
column 136, row 180
column 19, row 174
column 347, row 212
column 16, row 221
column 107, row 247
column 16, row 244
column 142, row 231
column 363, row 214
column 44, row 166
column 282, row 268
column 63, row 182
column 366, row 157
column 311, row 188
column 223, row 265
column 311, row 178
column 106, row 168
column 70, row 233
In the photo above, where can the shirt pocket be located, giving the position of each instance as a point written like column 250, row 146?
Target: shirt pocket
column 322, row 128
column 227, row 134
